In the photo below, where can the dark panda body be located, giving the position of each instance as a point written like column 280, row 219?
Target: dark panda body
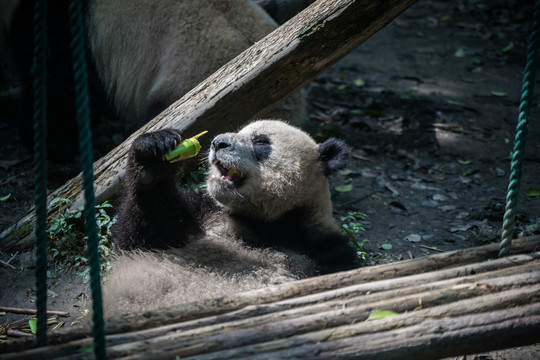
column 61, row 124
column 264, row 218
column 142, row 55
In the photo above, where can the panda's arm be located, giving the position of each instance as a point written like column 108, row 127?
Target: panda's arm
column 155, row 212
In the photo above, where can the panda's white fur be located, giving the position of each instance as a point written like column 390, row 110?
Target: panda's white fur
column 293, row 178
column 266, row 221
column 149, row 53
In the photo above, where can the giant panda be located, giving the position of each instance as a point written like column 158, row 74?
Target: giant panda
column 265, row 217
column 142, row 56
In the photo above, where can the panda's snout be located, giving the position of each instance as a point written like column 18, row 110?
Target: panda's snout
column 220, row 143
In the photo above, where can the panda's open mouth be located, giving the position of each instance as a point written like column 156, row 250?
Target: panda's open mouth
column 229, row 175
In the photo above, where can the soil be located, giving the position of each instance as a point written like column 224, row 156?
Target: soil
column 429, row 107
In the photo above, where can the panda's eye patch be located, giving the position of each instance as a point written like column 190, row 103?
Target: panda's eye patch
column 261, row 140
column 261, row 147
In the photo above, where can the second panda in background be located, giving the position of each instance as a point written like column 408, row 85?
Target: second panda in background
column 143, row 55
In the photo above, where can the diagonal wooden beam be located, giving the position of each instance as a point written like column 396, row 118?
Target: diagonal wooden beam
column 248, row 85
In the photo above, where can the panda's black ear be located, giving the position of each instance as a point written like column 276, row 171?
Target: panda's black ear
column 334, row 155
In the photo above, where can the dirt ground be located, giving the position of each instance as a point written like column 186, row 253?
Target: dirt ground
column 428, row 105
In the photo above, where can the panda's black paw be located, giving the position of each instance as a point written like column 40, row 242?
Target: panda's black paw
column 154, row 145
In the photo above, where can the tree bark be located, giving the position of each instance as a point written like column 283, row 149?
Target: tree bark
column 250, row 84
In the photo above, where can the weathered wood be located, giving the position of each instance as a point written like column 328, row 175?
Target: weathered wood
column 401, row 274
column 258, row 329
column 250, row 84
column 14, row 310
column 343, row 323
column 432, row 339
column 281, row 319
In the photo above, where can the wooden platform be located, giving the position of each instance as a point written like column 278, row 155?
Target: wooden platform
column 449, row 304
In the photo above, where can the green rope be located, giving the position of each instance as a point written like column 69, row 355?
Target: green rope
column 518, row 153
column 39, row 73
column 80, row 76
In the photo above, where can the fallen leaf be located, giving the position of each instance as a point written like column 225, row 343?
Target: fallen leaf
column 464, row 162
column 533, row 192
column 457, row 228
column 390, row 187
column 358, row 82
column 33, row 325
column 498, row 93
column 360, row 157
column 508, row 47
column 386, row 246
column 4, row 198
column 381, row 314
column 459, row 53
column 344, row 188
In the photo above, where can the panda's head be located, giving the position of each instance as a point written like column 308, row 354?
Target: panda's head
column 269, row 168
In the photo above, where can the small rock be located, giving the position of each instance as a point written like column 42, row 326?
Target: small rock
column 439, row 197
column 430, row 238
column 414, row 238
column 447, row 208
column 457, row 228
column 499, row 172
column 51, row 293
column 429, row 203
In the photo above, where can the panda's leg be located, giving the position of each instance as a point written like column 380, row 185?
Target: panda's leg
column 331, row 251
column 154, row 212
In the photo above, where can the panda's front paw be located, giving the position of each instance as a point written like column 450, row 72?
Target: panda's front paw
column 154, row 145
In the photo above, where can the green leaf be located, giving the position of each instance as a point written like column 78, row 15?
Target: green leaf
column 33, row 325
column 86, row 348
column 344, row 188
column 4, row 198
column 459, row 53
column 498, row 93
column 381, row 314
column 359, row 82
column 508, row 47
column 386, row 246
column 464, row 162
column 533, row 192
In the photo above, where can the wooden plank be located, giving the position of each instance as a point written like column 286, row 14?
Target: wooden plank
column 248, row 85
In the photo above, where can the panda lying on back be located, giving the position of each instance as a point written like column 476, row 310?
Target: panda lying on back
column 265, row 216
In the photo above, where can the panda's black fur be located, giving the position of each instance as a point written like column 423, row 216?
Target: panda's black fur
column 61, row 124
column 268, row 221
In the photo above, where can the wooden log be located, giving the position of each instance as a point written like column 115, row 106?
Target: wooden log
column 345, row 302
column 212, row 311
column 432, row 339
column 212, row 307
column 301, row 330
column 248, row 85
column 298, row 321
